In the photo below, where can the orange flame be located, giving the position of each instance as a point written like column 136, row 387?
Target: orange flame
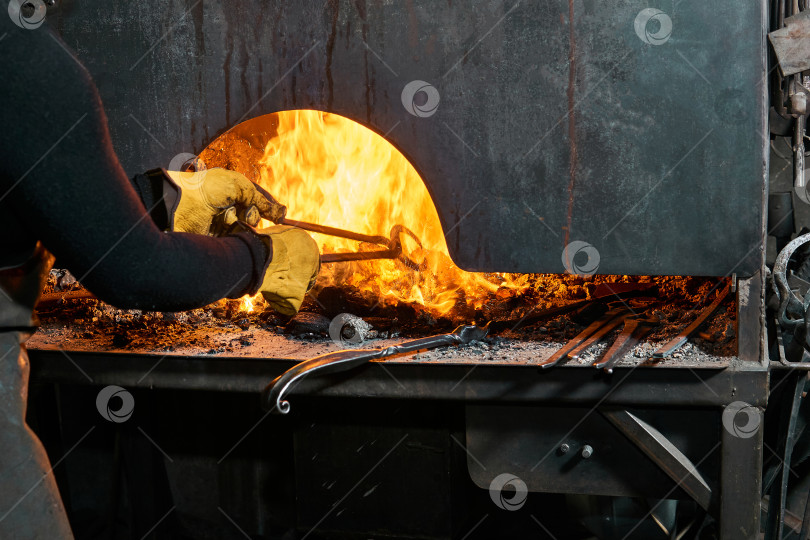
column 246, row 304
column 332, row 171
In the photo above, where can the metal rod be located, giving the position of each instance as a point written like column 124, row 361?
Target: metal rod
column 675, row 343
column 597, row 336
column 359, row 256
column 340, row 233
column 634, row 331
column 799, row 180
column 566, row 349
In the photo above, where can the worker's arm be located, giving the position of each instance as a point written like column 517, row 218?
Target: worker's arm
column 66, row 188
column 202, row 201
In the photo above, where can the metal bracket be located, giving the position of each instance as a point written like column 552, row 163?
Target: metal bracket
column 663, row 453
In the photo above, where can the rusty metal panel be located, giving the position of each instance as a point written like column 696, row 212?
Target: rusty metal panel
column 631, row 133
column 791, row 44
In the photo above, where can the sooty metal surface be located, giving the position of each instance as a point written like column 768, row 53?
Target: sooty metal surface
column 556, row 121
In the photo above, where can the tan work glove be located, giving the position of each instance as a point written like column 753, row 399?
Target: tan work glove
column 292, row 270
column 219, row 196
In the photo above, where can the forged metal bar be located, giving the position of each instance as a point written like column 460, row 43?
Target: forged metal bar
column 273, row 394
column 597, row 336
column 675, row 343
column 566, row 349
column 633, row 332
column 663, row 453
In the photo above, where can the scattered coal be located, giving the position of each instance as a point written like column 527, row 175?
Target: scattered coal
column 308, row 323
column 515, row 314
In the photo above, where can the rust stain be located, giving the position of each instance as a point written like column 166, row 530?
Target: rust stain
column 330, row 47
column 413, row 25
column 226, row 68
column 572, row 126
column 361, row 10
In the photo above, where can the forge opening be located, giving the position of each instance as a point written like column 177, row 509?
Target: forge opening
column 330, row 170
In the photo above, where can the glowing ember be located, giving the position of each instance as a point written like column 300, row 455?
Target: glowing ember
column 246, row 304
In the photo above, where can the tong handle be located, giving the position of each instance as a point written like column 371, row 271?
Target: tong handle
column 359, row 256
column 340, row 233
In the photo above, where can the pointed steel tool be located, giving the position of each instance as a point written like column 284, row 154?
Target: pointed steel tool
column 594, row 327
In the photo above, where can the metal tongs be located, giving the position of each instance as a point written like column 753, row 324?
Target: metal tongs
column 393, row 244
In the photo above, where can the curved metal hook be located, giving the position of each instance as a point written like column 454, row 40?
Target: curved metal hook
column 788, row 298
column 273, row 394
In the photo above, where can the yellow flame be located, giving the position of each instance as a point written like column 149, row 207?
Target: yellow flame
column 330, row 170
column 246, row 304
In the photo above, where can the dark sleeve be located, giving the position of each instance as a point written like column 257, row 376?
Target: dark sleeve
column 153, row 188
column 66, row 188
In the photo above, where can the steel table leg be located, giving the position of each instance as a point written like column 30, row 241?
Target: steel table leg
column 740, row 481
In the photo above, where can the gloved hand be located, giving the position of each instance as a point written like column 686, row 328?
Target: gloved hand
column 292, row 269
column 221, row 195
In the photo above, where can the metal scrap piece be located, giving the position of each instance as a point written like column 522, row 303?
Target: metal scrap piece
column 791, row 44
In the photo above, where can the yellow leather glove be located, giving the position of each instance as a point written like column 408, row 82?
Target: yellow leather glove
column 222, row 195
column 292, row 270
